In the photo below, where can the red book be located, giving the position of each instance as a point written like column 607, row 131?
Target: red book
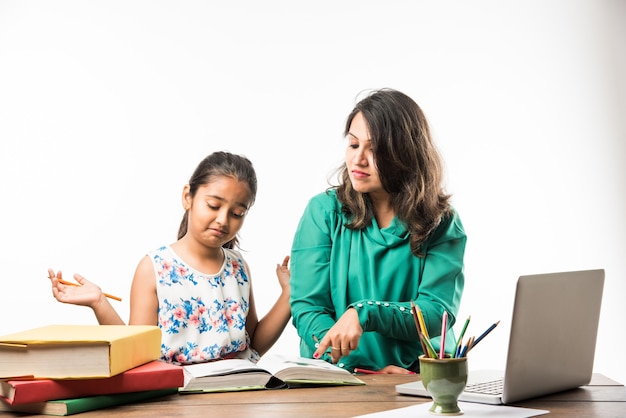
column 150, row 376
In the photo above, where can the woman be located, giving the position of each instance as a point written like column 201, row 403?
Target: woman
column 382, row 238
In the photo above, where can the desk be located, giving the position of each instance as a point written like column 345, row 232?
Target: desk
column 347, row 401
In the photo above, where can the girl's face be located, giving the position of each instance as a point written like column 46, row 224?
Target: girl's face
column 360, row 158
column 217, row 211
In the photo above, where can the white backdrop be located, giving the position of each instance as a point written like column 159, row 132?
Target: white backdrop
column 106, row 107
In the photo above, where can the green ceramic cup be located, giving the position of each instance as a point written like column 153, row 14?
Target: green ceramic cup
column 444, row 379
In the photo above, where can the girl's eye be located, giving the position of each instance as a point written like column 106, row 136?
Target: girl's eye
column 239, row 215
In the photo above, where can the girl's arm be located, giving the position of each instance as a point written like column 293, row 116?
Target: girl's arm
column 144, row 304
column 87, row 294
column 265, row 332
column 143, row 299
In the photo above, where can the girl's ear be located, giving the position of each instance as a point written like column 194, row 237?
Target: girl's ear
column 186, row 197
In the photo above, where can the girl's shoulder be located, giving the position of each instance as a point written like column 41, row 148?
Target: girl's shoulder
column 162, row 251
column 232, row 254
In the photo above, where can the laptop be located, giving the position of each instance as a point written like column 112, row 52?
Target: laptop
column 551, row 343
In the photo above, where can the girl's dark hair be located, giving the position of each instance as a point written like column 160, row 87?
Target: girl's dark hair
column 408, row 163
column 221, row 164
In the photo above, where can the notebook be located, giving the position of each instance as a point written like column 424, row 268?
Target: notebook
column 552, row 340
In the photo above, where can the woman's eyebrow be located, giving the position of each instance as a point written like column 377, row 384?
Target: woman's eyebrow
column 357, row 138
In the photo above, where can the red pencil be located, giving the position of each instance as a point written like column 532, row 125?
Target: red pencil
column 366, row 371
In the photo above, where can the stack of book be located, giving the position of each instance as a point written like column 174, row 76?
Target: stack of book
column 68, row 369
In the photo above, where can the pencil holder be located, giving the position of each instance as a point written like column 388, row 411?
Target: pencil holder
column 444, row 379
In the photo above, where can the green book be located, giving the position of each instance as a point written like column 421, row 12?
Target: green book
column 90, row 403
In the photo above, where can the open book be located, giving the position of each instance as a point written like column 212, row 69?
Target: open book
column 271, row 372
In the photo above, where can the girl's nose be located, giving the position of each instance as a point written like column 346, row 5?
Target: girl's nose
column 222, row 217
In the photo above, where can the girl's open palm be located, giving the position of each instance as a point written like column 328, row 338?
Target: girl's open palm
column 283, row 273
column 84, row 293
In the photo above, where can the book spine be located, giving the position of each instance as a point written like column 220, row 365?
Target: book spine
column 76, row 406
column 151, row 376
column 90, row 403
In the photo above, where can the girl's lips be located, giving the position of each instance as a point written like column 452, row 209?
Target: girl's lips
column 218, row 232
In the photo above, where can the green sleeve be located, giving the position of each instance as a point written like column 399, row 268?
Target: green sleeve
column 311, row 305
column 441, row 286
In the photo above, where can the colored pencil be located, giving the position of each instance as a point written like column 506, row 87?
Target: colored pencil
column 417, row 326
column 444, row 328
column 76, row 284
column 460, row 342
column 366, row 371
column 483, row 335
column 467, row 347
column 420, row 315
column 429, row 347
column 425, row 337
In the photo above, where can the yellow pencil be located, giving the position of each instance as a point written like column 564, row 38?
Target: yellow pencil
column 76, row 284
column 418, row 326
column 420, row 316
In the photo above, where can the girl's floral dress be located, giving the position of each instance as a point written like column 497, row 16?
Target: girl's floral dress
column 202, row 316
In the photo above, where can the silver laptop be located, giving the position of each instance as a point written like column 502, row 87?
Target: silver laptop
column 552, row 341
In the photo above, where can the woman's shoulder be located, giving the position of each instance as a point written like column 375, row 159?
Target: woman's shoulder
column 450, row 225
column 325, row 201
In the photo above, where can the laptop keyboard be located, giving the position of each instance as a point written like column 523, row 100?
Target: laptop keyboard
column 493, row 387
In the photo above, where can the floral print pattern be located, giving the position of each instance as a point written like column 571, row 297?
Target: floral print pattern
column 202, row 317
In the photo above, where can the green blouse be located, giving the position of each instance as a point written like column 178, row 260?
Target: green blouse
column 334, row 268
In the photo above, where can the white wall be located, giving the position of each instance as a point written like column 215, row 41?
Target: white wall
column 106, row 108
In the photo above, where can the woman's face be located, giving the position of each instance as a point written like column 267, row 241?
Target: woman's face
column 360, row 158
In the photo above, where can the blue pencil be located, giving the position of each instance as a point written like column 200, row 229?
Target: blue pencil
column 466, row 347
column 483, row 335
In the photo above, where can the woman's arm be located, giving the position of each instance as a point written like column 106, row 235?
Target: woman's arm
column 440, row 288
column 311, row 304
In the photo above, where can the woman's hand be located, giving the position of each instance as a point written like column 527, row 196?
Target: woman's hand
column 391, row 369
column 342, row 338
column 83, row 293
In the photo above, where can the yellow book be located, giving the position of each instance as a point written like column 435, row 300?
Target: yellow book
column 78, row 351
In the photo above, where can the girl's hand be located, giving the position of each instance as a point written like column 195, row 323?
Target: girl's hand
column 83, row 293
column 342, row 338
column 283, row 274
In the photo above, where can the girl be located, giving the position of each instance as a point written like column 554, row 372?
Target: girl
column 197, row 289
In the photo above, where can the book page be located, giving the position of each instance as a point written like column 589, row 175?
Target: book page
column 274, row 363
column 221, row 367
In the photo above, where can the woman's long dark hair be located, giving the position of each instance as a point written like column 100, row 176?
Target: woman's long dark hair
column 220, row 164
column 408, row 163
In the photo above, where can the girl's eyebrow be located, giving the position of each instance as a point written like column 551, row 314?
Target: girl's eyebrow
column 221, row 199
